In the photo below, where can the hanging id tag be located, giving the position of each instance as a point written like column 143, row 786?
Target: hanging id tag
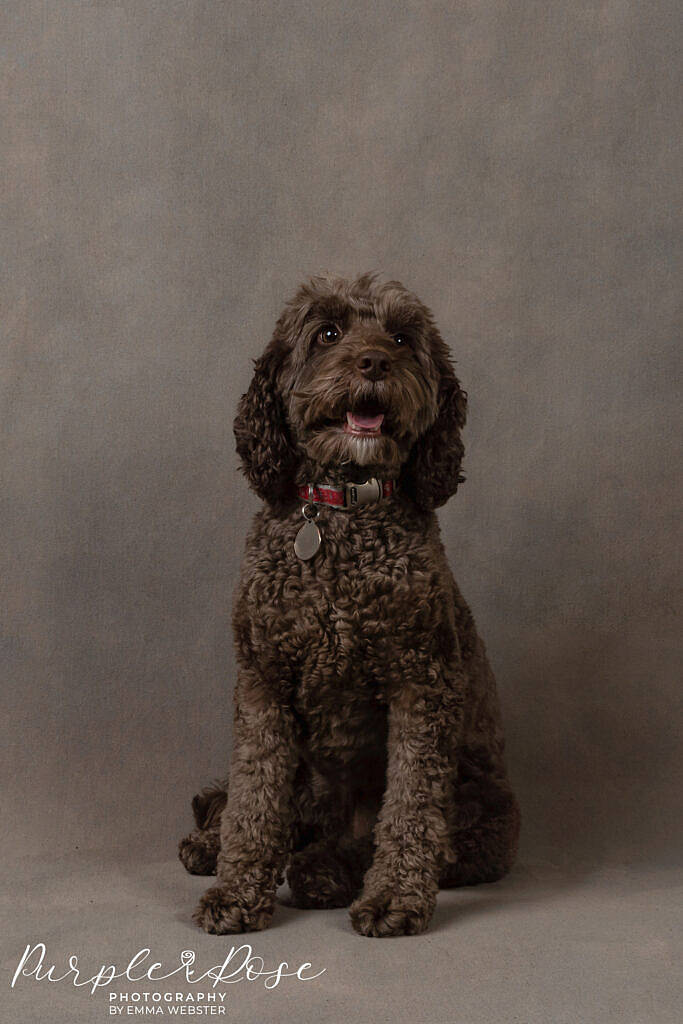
column 308, row 539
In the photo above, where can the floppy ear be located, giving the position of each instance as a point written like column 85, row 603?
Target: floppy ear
column 264, row 442
column 432, row 471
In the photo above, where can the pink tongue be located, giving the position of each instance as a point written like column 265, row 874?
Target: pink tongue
column 364, row 422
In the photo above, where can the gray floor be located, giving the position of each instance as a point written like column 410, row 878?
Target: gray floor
column 539, row 947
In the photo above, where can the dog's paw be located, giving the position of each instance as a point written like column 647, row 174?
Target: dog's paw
column 387, row 914
column 198, row 855
column 221, row 911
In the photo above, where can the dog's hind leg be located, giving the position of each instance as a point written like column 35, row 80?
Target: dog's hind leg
column 327, row 867
column 484, row 829
column 199, row 850
column 328, row 873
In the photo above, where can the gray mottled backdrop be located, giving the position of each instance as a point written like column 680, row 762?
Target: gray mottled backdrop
column 170, row 171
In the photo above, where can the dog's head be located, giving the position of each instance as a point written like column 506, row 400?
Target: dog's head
column 356, row 382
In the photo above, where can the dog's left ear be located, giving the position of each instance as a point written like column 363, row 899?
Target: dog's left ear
column 432, row 472
column 264, row 442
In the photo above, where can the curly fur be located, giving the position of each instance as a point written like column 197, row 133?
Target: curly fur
column 368, row 748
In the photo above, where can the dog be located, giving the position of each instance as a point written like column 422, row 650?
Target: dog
column 368, row 759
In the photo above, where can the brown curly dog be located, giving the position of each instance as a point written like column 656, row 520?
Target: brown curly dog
column 368, row 750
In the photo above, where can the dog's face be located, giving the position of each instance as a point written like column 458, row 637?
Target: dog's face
column 360, row 381
column 356, row 381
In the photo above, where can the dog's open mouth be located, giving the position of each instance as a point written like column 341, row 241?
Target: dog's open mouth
column 365, row 421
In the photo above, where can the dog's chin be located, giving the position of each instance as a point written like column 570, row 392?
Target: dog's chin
column 365, row 449
column 336, row 448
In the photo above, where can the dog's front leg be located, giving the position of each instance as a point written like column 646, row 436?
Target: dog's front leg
column 400, row 888
column 256, row 824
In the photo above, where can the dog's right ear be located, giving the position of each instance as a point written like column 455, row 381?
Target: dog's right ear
column 264, row 442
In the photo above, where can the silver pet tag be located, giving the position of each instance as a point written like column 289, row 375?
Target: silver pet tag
column 308, row 539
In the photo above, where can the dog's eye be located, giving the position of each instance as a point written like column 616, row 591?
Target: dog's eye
column 401, row 339
column 328, row 334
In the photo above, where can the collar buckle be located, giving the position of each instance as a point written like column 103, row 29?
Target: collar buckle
column 363, row 494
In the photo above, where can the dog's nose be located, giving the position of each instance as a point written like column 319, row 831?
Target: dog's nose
column 374, row 364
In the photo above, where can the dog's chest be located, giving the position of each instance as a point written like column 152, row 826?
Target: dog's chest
column 335, row 634
column 343, row 620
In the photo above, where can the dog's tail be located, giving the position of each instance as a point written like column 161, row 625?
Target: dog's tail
column 208, row 805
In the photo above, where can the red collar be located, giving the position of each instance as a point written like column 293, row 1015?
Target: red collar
column 347, row 496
